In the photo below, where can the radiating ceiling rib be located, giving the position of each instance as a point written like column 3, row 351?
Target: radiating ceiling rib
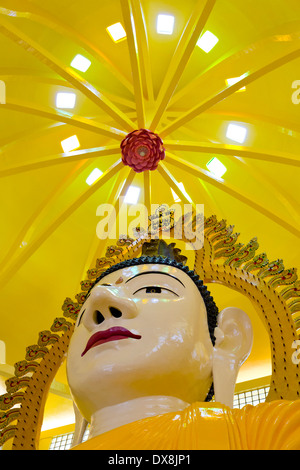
column 261, row 178
column 42, row 237
column 43, row 17
column 117, row 205
column 67, row 118
column 172, row 183
column 131, row 31
column 9, row 73
column 277, row 123
column 117, row 192
column 24, row 231
column 181, row 56
column 143, row 50
column 229, row 189
column 10, row 141
column 291, row 206
column 231, row 150
column 228, row 91
column 119, row 201
column 31, row 46
column 247, row 51
column 64, row 158
column 214, row 207
column 147, row 191
column 83, row 163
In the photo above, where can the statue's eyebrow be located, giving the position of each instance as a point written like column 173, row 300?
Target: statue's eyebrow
column 155, row 272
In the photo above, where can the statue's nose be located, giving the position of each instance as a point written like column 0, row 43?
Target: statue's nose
column 105, row 304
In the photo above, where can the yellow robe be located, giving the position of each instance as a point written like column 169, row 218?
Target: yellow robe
column 209, row 426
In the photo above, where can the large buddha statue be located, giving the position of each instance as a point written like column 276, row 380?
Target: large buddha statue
column 148, row 344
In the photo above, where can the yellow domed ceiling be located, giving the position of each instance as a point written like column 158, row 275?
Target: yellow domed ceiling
column 221, row 84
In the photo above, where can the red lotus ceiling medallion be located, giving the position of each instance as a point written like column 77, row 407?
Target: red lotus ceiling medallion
column 142, row 150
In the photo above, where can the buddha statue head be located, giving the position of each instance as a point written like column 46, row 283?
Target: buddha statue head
column 149, row 328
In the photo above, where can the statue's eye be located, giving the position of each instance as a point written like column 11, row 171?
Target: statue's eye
column 153, row 290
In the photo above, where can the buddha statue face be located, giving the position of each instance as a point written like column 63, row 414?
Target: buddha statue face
column 142, row 331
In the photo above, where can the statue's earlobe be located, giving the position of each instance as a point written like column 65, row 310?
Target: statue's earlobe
column 234, row 338
column 80, row 426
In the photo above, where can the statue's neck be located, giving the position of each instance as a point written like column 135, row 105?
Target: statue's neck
column 118, row 415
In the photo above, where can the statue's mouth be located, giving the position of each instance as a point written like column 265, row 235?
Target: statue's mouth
column 112, row 334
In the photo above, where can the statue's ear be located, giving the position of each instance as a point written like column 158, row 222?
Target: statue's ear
column 80, row 426
column 234, row 338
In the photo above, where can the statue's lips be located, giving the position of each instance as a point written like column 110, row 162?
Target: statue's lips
column 112, row 334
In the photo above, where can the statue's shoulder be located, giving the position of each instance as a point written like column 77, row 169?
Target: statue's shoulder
column 209, row 426
column 271, row 425
column 277, row 408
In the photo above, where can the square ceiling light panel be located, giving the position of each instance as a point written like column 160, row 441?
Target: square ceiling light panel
column 165, row 24
column 116, row 32
column 132, row 195
column 207, row 41
column 236, row 133
column 232, row 81
column 65, row 100
column 177, row 198
column 96, row 173
column 80, row 63
column 216, row 167
column 71, row 143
